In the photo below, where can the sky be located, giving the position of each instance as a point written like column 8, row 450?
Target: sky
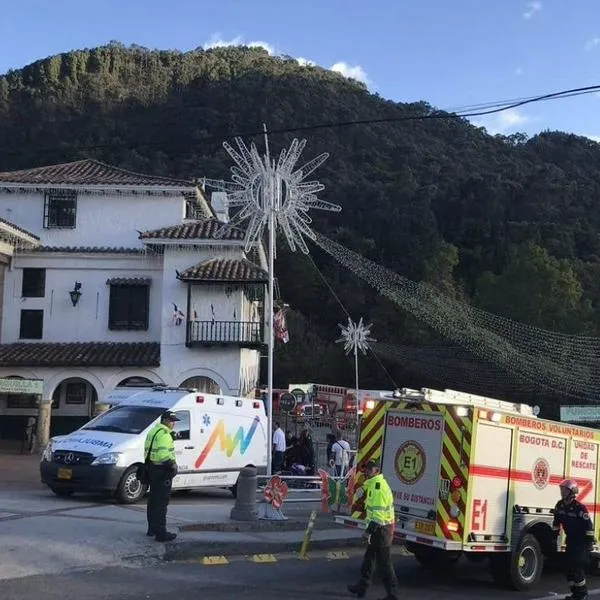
column 450, row 53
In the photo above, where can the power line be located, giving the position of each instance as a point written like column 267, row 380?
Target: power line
column 479, row 110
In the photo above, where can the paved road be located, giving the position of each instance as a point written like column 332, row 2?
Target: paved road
column 291, row 579
column 40, row 533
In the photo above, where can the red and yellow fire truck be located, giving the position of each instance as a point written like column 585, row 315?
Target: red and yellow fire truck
column 477, row 477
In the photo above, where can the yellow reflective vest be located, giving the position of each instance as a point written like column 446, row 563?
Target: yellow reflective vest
column 379, row 502
column 163, row 447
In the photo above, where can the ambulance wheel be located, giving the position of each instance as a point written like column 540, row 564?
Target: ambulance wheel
column 522, row 569
column 130, row 490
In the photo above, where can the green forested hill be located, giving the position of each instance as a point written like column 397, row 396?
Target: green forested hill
column 508, row 224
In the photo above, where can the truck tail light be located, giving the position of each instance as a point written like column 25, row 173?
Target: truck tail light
column 457, row 482
column 256, row 405
column 370, row 404
column 452, row 526
column 199, row 399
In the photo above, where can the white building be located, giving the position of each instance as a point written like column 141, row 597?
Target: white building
column 110, row 276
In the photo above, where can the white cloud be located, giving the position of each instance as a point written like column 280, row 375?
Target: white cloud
column 355, row 72
column 503, row 123
column 352, row 72
column 532, row 8
column 519, row 71
column 591, row 44
column 216, row 41
column 305, row 62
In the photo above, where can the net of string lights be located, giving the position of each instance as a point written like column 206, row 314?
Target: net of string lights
column 272, row 193
column 567, row 364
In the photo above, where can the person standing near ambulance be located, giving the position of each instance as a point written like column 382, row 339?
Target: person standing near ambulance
column 160, row 446
column 573, row 517
column 379, row 505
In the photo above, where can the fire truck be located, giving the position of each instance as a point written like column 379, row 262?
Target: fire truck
column 477, row 477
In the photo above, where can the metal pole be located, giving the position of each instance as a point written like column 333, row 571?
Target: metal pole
column 269, row 201
column 356, row 382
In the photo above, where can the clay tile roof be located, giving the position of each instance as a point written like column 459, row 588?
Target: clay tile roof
column 86, row 250
column 89, row 172
column 17, row 228
column 80, row 354
column 224, row 269
column 194, row 230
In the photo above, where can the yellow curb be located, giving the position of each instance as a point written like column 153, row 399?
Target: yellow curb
column 264, row 558
column 214, row 560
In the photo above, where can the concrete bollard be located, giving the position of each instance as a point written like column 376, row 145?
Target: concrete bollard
column 244, row 508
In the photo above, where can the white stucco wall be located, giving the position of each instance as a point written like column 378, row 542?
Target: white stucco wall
column 88, row 321
column 222, row 364
column 102, row 220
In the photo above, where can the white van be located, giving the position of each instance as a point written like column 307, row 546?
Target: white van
column 215, row 437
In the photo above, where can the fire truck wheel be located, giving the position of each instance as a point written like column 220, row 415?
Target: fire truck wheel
column 522, row 569
column 433, row 558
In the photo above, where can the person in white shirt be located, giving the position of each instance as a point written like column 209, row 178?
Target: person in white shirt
column 279, row 447
column 341, row 455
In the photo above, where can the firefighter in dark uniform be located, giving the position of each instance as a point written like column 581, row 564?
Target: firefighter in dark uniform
column 162, row 469
column 573, row 517
column 379, row 506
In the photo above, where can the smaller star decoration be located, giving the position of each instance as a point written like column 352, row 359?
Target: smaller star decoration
column 355, row 335
column 206, row 420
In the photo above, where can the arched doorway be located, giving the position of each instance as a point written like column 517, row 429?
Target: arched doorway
column 202, row 384
column 135, row 382
column 73, row 402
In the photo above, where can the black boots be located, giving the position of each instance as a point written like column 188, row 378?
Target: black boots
column 358, row 590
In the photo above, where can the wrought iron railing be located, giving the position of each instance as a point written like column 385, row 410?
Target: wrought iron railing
column 225, row 332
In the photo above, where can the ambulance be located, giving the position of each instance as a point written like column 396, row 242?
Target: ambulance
column 215, row 437
column 477, row 477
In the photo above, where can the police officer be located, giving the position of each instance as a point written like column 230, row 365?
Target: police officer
column 379, row 505
column 573, row 517
column 162, row 469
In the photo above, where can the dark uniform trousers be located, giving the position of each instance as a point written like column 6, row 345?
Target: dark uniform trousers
column 576, row 555
column 158, row 498
column 378, row 552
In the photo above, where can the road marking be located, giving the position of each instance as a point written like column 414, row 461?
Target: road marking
column 337, row 555
column 214, row 560
column 264, row 558
column 556, row 596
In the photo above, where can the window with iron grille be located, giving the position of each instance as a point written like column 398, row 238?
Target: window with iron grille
column 129, row 307
column 34, row 283
column 60, row 209
column 32, row 325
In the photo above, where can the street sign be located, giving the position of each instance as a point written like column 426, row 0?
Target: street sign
column 299, row 394
column 287, row 401
column 21, row 386
column 580, row 414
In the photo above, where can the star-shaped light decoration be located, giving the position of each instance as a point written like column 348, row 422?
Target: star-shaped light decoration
column 355, row 336
column 261, row 185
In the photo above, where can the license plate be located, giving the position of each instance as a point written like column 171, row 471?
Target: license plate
column 65, row 473
column 426, row 527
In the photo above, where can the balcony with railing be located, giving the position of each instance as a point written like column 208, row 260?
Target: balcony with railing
column 246, row 334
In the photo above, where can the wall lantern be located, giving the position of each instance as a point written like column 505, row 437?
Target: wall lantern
column 75, row 293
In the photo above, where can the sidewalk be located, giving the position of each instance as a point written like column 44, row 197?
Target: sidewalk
column 18, row 471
